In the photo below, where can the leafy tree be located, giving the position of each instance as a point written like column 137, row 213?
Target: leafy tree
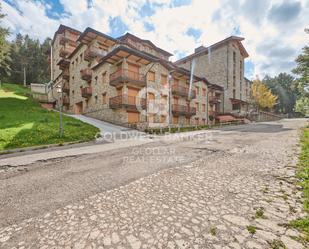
column 302, row 70
column 283, row 86
column 302, row 105
column 262, row 95
column 4, row 49
column 302, row 82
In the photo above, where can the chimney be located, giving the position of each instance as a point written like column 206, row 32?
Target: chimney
column 198, row 49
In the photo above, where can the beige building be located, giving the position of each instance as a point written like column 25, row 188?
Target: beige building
column 223, row 64
column 128, row 81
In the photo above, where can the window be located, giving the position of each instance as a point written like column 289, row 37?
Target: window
column 234, row 94
column 204, row 107
column 104, row 98
column 163, row 80
column 96, row 99
column 81, row 57
column 163, row 118
column 151, row 76
column 96, row 79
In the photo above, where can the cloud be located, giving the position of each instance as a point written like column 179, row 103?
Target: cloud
column 273, row 29
column 284, row 12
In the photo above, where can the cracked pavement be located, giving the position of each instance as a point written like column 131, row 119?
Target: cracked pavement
column 206, row 193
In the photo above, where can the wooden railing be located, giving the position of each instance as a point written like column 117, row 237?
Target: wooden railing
column 86, row 92
column 183, row 110
column 65, row 51
column 214, row 99
column 126, row 101
column 65, row 100
column 183, row 91
column 66, row 88
column 127, row 75
column 86, row 74
column 213, row 113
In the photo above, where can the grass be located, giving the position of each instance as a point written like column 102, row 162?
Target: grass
column 259, row 213
column 213, row 231
column 24, row 123
column 251, row 229
column 303, row 175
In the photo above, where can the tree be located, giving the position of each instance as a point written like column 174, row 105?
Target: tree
column 262, row 95
column 283, row 86
column 32, row 56
column 302, row 82
column 4, row 49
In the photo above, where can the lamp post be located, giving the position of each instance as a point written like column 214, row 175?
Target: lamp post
column 60, row 103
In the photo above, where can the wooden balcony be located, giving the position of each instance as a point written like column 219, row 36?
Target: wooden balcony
column 66, row 74
column 63, row 64
column 86, row 74
column 214, row 99
column 65, row 51
column 66, row 89
column 182, row 110
column 63, row 39
column 183, row 91
column 130, row 103
column 92, row 53
column 66, row 101
column 86, row 92
column 213, row 113
column 124, row 75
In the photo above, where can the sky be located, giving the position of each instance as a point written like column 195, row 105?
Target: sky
column 273, row 29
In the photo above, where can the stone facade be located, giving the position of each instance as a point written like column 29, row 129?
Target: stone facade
column 105, row 78
column 223, row 64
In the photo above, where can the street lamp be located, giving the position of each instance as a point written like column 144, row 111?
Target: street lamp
column 60, row 103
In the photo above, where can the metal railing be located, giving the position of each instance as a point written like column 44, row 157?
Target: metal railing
column 126, row 74
column 86, row 92
column 127, row 101
column 183, row 110
column 183, row 91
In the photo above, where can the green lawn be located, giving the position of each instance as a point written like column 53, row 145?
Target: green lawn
column 24, row 123
column 303, row 175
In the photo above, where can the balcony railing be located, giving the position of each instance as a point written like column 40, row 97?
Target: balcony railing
column 214, row 99
column 86, row 92
column 183, row 110
column 65, row 51
column 66, row 74
column 64, row 64
column 183, row 91
column 92, row 53
column 86, row 74
column 66, row 89
column 63, row 39
column 213, row 113
column 127, row 102
column 66, row 101
column 124, row 75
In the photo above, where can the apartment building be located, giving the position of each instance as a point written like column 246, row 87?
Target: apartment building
column 128, row 81
column 223, row 64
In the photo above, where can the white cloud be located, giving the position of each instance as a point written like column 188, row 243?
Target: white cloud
column 271, row 40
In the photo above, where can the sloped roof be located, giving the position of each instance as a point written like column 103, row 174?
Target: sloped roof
column 133, row 37
column 205, row 50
